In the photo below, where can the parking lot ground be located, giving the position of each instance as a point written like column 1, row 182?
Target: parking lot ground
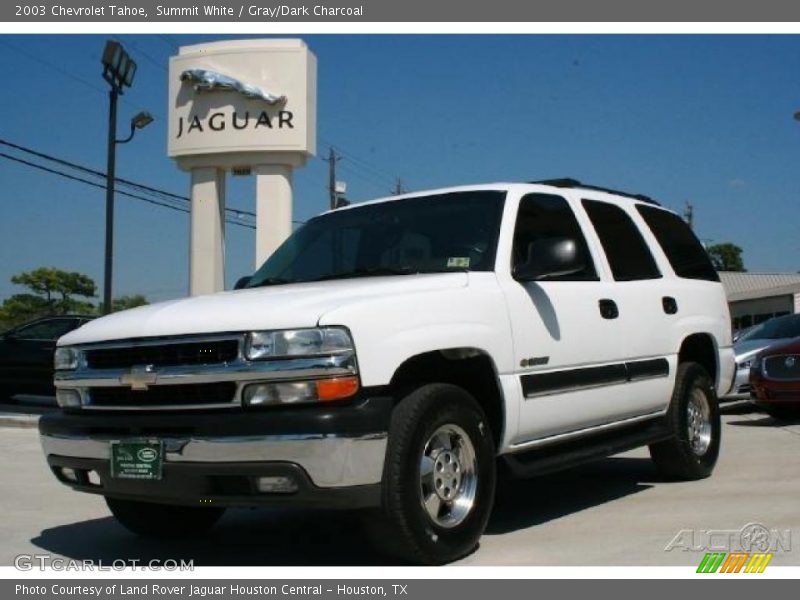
column 612, row 512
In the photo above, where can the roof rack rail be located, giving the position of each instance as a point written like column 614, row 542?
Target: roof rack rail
column 568, row 182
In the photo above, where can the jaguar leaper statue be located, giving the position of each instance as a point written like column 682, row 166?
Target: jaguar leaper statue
column 208, row 81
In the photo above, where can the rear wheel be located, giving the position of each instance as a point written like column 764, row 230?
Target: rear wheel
column 693, row 417
column 439, row 477
column 163, row 521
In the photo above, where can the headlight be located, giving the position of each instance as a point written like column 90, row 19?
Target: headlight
column 262, row 345
column 65, row 359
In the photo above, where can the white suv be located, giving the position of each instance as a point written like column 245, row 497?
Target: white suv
column 392, row 355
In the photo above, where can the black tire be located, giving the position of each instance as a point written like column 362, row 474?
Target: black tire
column 163, row 521
column 403, row 527
column 781, row 413
column 677, row 458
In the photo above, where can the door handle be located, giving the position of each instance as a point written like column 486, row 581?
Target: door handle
column 608, row 309
column 669, row 304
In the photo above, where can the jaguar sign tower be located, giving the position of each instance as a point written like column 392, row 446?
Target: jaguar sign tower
column 244, row 105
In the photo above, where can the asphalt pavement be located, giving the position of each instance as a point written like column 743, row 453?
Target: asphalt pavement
column 615, row 511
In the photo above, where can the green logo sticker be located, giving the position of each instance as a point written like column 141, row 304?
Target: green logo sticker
column 460, row 262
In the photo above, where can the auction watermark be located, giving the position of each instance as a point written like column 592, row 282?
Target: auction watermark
column 43, row 562
column 748, row 549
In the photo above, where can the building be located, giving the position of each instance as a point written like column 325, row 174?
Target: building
column 756, row 297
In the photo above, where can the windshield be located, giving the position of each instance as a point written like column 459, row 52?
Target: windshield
column 775, row 329
column 427, row 234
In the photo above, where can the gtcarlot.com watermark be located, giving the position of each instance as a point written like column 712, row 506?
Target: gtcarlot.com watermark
column 42, row 562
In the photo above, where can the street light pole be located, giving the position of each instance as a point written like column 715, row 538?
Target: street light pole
column 118, row 71
column 110, row 176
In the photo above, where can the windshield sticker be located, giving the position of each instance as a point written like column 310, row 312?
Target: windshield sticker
column 460, row 262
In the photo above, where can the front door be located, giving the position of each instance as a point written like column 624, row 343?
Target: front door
column 566, row 333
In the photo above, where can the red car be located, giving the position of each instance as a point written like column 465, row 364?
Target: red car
column 775, row 380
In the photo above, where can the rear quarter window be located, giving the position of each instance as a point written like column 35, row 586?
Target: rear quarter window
column 684, row 251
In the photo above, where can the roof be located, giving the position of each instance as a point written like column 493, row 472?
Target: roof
column 747, row 286
column 545, row 186
column 568, row 182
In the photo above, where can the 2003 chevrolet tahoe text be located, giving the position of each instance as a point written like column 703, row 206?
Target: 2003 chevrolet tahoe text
column 393, row 355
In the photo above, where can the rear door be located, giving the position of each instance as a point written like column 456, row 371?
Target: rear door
column 646, row 305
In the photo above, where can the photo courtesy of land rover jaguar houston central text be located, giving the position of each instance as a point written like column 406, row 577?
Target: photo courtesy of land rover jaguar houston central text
column 395, row 356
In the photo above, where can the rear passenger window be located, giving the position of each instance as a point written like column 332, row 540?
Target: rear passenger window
column 546, row 216
column 627, row 252
column 684, row 251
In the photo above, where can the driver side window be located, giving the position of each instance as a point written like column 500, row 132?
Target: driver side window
column 543, row 216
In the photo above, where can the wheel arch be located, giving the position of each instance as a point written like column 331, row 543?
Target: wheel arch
column 472, row 369
column 701, row 348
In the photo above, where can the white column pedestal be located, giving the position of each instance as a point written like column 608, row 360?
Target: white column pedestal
column 273, row 208
column 207, row 243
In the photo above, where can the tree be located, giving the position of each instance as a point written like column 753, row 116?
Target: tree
column 58, row 287
column 125, row 302
column 726, row 257
column 53, row 293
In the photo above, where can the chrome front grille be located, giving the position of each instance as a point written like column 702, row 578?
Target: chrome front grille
column 783, row 366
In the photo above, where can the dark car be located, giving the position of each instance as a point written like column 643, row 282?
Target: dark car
column 775, row 380
column 26, row 354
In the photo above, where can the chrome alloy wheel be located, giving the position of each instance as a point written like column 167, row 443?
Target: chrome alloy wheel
column 698, row 422
column 448, row 476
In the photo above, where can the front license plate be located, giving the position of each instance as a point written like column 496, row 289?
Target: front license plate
column 137, row 459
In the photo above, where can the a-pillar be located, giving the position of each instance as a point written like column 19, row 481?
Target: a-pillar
column 273, row 208
column 207, row 254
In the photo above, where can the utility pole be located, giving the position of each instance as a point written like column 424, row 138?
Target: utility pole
column 688, row 214
column 398, row 187
column 332, row 159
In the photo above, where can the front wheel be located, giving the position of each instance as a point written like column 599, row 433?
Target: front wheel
column 163, row 521
column 693, row 417
column 439, row 477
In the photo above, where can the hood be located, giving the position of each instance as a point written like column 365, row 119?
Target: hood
column 272, row 307
column 787, row 346
column 749, row 348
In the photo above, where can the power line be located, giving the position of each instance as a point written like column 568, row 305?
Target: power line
column 101, row 174
column 101, row 186
column 364, row 163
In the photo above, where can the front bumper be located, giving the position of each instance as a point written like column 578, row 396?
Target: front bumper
column 334, row 454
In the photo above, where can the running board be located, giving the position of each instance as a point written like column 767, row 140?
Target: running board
column 592, row 446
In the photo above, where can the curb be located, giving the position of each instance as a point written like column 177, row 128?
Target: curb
column 19, row 421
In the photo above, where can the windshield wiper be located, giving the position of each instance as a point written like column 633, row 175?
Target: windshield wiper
column 367, row 272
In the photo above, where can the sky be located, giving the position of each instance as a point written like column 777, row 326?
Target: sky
column 700, row 119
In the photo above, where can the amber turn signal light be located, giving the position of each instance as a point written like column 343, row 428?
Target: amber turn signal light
column 336, row 389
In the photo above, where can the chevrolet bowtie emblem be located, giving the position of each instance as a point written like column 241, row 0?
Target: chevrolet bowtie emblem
column 140, row 377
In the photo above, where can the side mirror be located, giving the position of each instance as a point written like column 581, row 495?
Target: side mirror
column 242, row 282
column 550, row 257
